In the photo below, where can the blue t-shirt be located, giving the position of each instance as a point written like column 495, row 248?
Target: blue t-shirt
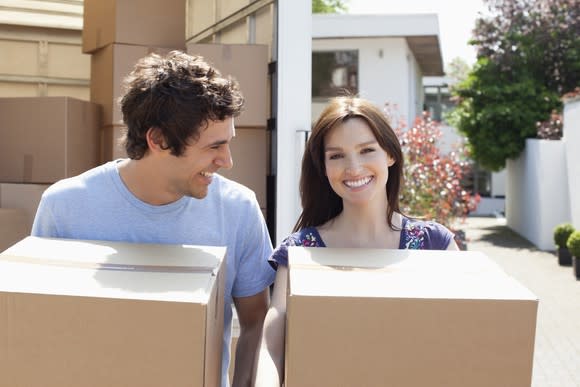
column 415, row 235
column 97, row 205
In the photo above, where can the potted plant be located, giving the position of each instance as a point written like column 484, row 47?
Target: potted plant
column 561, row 234
column 573, row 245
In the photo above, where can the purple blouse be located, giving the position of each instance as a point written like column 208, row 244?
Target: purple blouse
column 415, row 235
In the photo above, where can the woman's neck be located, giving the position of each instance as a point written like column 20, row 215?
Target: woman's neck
column 362, row 227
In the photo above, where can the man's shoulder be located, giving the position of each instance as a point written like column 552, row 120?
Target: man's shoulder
column 232, row 191
column 75, row 185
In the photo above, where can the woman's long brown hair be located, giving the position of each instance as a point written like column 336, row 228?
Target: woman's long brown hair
column 319, row 202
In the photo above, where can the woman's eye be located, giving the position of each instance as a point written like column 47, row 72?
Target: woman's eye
column 334, row 157
column 367, row 150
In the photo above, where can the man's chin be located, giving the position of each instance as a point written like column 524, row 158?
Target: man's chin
column 198, row 194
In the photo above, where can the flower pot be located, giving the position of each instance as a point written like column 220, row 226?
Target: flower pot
column 564, row 257
column 576, row 261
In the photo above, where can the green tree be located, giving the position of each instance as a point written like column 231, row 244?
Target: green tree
column 528, row 56
column 328, row 6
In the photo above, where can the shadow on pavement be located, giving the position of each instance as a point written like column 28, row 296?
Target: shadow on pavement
column 501, row 236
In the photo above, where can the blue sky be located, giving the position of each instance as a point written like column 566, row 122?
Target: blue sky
column 456, row 20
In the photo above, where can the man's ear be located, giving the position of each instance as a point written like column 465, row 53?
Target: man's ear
column 155, row 140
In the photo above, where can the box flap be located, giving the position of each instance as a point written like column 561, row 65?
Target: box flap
column 400, row 274
column 110, row 269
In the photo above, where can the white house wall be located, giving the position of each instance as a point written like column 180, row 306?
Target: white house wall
column 388, row 72
column 571, row 140
column 537, row 197
column 294, row 84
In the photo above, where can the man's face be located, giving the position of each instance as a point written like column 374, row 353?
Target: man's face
column 191, row 173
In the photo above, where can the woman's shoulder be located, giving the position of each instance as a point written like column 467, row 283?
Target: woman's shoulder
column 424, row 235
column 307, row 237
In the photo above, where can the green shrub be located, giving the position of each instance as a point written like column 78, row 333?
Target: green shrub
column 561, row 233
column 574, row 243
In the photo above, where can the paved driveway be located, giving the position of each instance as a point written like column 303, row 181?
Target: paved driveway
column 557, row 351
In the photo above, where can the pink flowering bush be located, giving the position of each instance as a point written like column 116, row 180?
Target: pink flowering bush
column 432, row 187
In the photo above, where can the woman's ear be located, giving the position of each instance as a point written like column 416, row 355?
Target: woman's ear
column 390, row 161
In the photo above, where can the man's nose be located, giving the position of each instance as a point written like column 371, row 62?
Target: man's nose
column 224, row 160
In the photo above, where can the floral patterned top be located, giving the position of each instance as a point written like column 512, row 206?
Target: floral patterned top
column 415, row 235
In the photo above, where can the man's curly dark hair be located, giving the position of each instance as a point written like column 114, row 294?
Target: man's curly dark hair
column 178, row 94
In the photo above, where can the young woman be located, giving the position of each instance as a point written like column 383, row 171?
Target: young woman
column 351, row 176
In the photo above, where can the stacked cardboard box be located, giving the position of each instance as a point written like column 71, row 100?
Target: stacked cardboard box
column 369, row 317
column 43, row 140
column 18, row 204
column 116, row 41
column 12, row 226
column 90, row 313
column 248, row 64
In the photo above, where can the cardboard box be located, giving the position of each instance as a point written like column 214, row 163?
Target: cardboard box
column 111, row 146
column 89, row 313
column 13, row 227
column 248, row 64
column 150, row 22
column 22, row 196
column 45, row 139
column 249, row 151
column 370, row 317
column 109, row 66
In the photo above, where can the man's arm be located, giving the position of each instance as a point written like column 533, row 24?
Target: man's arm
column 251, row 312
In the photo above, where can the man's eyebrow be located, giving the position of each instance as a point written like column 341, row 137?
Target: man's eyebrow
column 217, row 143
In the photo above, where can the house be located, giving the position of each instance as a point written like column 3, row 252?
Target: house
column 379, row 57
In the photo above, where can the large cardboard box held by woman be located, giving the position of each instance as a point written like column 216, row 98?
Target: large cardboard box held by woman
column 402, row 318
column 88, row 313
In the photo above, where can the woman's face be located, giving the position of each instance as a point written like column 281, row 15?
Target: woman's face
column 357, row 167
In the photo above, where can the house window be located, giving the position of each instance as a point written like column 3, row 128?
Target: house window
column 334, row 73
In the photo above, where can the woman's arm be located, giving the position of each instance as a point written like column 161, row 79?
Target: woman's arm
column 270, row 357
column 452, row 245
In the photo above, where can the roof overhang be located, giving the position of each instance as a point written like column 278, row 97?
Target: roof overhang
column 421, row 31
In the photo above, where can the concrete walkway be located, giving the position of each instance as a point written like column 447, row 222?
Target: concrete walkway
column 557, row 351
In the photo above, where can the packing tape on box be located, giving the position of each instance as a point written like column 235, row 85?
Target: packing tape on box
column 110, row 266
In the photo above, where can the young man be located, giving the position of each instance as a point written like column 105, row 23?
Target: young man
column 179, row 116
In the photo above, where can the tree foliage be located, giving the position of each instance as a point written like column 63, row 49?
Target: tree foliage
column 432, row 186
column 328, row 6
column 528, row 56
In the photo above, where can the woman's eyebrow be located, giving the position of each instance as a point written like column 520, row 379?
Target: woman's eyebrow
column 361, row 145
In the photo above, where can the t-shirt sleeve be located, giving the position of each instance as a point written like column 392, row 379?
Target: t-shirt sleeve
column 44, row 224
column 280, row 254
column 440, row 236
column 253, row 274
column 425, row 235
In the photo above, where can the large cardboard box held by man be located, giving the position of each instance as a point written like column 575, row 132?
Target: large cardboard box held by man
column 45, row 139
column 88, row 313
column 401, row 318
